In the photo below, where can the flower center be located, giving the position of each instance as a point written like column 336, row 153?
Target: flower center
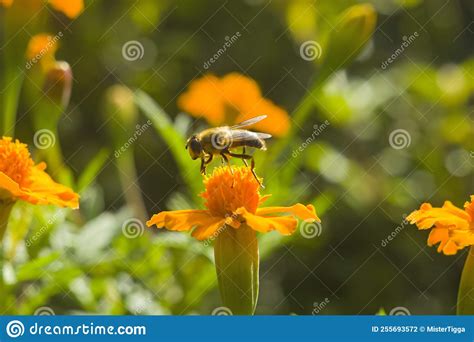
column 226, row 191
column 15, row 160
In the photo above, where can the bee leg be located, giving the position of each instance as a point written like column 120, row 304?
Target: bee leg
column 252, row 165
column 203, row 166
column 243, row 152
column 205, row 162
column 226, row 160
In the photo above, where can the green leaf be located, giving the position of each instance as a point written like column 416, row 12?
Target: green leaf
column 92, row 169
column 175, row 141
column 35, row 269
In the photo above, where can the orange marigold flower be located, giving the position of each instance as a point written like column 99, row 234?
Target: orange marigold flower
column 42, row 48
column 21, row 179
column 6, row 3
column 232, row 198
column 71, row 8
column 453, row 228
column 232, row 99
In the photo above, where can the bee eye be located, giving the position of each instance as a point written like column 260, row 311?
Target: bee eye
column 195, row 146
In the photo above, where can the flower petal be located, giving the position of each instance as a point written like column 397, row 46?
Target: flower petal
column 205, row 231
column 183, row 220
column 71, row 8
column 469, row 208
column 448, row 216
column 204, row 99
column 42, row 189
column 451, row 226
column 303, row 212
column 285, row 225
column 8, row 187
column 6, row 3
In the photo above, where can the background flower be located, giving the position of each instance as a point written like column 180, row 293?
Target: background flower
column 452, row 228
column 232, row 99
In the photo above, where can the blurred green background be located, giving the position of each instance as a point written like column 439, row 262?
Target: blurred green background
column 361, row 186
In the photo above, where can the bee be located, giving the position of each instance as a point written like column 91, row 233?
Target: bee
column 221, row 140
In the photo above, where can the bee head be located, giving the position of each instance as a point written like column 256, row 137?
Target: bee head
column 194, row 147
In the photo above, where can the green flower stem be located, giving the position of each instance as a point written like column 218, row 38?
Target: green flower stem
column 237, row 263
column 5, row 210
column 52, row 151
column 465, row 304
column 299, row 116
column 128, row 177
column 12, row 82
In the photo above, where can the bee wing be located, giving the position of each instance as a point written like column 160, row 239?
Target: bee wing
column 248, row 122
column 243, row 135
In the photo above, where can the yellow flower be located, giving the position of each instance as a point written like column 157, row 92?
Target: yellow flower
column 232, row 99
column 42, row 48
column 453, row 228
column 71, row 8
column 6, row 3
column 232, row 198
column 21, row 179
